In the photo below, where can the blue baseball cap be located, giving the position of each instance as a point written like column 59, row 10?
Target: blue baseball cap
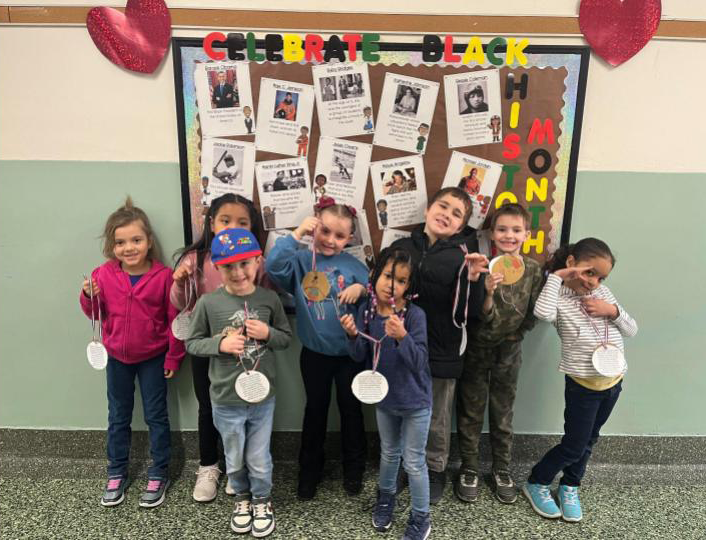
column 232, row 245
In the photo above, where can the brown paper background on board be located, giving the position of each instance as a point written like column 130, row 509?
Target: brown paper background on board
column 544, row 100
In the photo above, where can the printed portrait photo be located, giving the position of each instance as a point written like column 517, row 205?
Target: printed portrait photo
column 228, row 166
column 472, row 97
column 328, row 87
column 398, row 181
column 471, row 179
column 286, row 105
column 223, row 88
column 342, row 165
column 406, row 100
column 350, row 86
column 285, row 179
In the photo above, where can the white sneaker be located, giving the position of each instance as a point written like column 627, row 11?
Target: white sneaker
column 230, row 490
column 263, row 517
column 206, row 486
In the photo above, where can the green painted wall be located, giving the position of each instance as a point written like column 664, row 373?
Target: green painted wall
column 51, row 214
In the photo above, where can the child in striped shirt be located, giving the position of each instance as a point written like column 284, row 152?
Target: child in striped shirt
column 588, row 320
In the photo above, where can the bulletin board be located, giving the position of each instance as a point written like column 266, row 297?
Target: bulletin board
column 541, row 129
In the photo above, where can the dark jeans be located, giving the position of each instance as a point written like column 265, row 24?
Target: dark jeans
column 121, row 399
column 319, row 371
column 585, row 413
column 208, row 434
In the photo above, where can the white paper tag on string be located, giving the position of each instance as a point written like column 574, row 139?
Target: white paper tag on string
column 97, row 355
column 180, row 325
column 370, row 386
column 608, row 360
column 252, row 386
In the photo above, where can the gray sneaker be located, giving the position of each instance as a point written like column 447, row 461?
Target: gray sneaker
column 505, row 488
column 114, row 492
column 155, row 492
column 241, row 519
column 263, row 517
column 467, row 485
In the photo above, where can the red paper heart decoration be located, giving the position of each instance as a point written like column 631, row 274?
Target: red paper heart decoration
column 618, row 29
column 137, row 39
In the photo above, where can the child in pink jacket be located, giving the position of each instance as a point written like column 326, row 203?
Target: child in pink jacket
column 131, row 290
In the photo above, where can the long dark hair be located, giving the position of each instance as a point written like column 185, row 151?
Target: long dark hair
column 202, row 246
column 396, row 256
column 581, row 250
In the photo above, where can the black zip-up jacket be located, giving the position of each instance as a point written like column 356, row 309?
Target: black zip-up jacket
column 438, row 265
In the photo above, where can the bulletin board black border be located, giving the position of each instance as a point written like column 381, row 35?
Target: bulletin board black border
column 582, row 51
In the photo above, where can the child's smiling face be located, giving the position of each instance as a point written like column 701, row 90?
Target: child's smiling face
column 509, row 234
column 444, row 217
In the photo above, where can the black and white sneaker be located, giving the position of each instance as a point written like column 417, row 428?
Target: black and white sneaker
column 505, row 488
column 241, row 518
column 467, row 485
column 263, row 517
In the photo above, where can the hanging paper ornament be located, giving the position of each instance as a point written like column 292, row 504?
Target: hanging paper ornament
column 618, row 29
column 137, row 39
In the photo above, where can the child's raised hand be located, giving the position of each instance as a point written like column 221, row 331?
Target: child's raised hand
column 169, row 373
column 492, row 281
column 348, row 324
column 306, row 227
column 394, row 327
column 181, row 273
column 88, row 285
column 596, row 307
column 350, row 294
column 233, row 343
column 477, row 264
column 571, row 272
column 257, row 329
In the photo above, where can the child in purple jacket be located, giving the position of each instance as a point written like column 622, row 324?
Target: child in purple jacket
column 131, row 290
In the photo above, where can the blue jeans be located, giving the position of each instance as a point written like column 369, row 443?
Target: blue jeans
column 245, row 431
column 121, row 400
column 585, row 413
column 404, row 434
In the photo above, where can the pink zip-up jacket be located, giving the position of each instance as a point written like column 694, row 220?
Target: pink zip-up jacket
column 136, row 320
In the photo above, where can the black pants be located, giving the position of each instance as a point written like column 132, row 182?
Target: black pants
column 208, row 434
column 319, row 371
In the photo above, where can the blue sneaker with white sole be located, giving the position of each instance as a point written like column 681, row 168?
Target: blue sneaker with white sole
column 540, row 497
column 569, row 503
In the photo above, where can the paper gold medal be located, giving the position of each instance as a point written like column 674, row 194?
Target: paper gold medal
column 512, row 268
column 316, row 286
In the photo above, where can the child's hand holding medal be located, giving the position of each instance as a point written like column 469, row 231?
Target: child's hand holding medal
column 394, row 327
column 596, row 307
column 256, row 329
column 348, row 324
column 233, row 343
column 91, row 288
column 477, row 265
column 492, row 281
column 306, row 227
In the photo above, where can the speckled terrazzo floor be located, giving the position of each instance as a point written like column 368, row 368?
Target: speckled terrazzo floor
column 49, row 498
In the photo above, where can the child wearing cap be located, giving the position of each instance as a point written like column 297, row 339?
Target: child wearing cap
column 238, row 326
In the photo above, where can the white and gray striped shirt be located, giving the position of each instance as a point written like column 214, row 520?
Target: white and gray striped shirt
column 560, row 306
